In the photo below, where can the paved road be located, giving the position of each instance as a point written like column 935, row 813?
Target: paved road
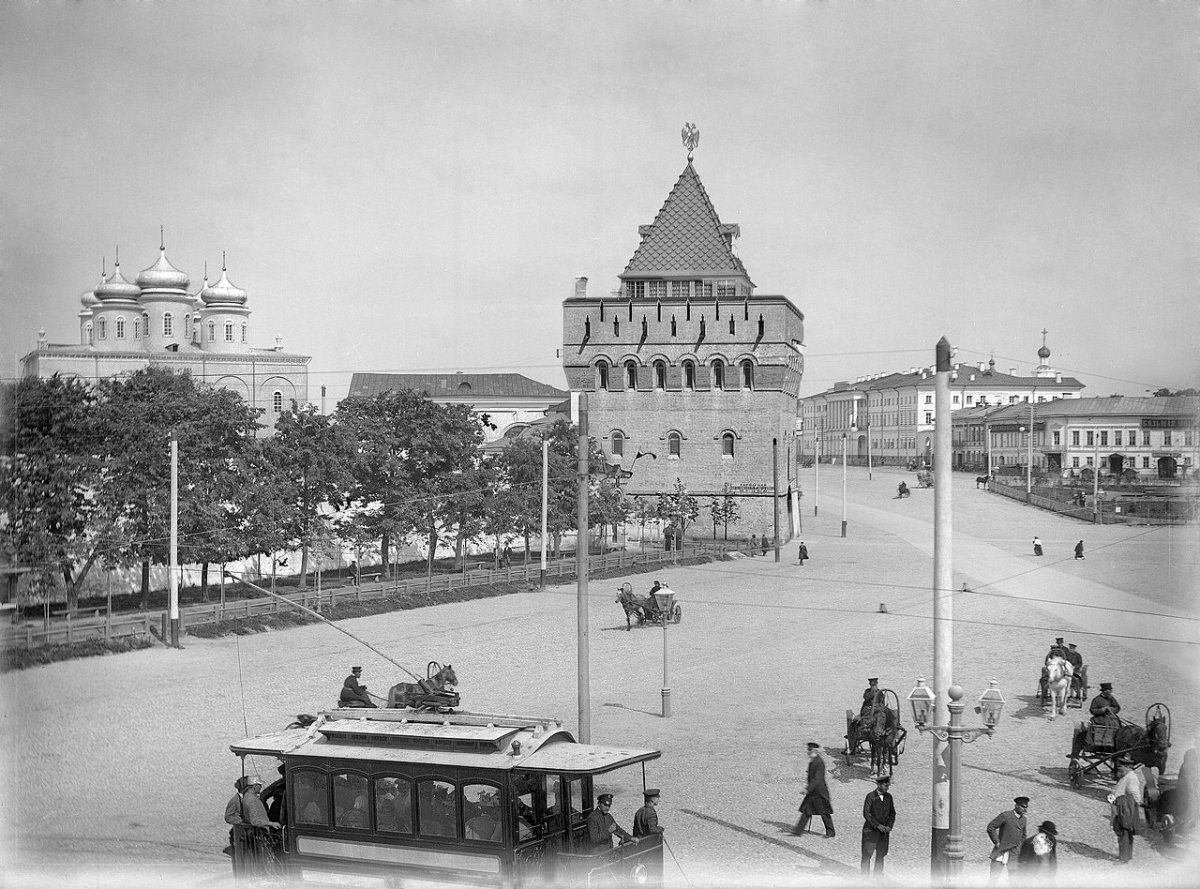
column 122, row 765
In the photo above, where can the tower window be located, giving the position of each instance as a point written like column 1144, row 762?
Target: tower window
column 120, row 328
column 212, row 332
column 718, row 371
column 602, row 374
column 660, row 375
column 679, row 289
column 618, row 444
column 674, row 441
column 616, row 326
column 658, row 289
column 243, row 332
column 89, row 334
column 727, row 445
column 229, row 331
column 103, row 329
column 277, row 402
column 631, row 375
column 689, row 375
column 137, row 329
column 747, row 374
column 635, row 289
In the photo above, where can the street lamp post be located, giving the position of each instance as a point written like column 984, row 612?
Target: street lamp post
column 843, row 484
column 665, row 600
column 991, row 703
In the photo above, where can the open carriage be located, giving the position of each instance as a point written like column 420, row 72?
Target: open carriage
column 1095, row 747
column 646, row 609
column 1078, row 693
column 878, row 726
column 925, row 478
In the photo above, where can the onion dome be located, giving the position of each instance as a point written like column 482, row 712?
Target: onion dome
column 116, row 287
column 87, row 299
column 162, row 275
column 1044, row 352
column 224, row 292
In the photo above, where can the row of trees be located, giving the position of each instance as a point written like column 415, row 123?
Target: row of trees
column 88, row 478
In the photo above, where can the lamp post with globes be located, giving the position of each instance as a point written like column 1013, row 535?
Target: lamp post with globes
column 991, row 703
column 664, row 599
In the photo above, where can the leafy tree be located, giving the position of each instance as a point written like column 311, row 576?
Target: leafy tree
column 519, row 487
column 678, row 507
column 1167, row 393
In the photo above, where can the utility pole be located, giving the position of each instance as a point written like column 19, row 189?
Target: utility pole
column 173, row 566
column 817, row 471
column 545, row 505
column 581, row 575
column 943, row 609
column 1096, row 481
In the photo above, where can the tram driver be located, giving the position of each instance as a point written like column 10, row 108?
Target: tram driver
column 602, row 826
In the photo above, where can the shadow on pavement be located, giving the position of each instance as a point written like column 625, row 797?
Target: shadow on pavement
column 1083, row 850
column 632, row 709
column 832, row 866
column 1032, row 707
column 1062, row 778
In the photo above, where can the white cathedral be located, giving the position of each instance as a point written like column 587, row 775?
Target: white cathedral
column 125, row 326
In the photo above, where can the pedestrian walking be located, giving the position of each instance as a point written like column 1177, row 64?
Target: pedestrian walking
column 1079, row 550
column 1038, row 857
column 1126, row 800
column 1007, row 833
column 1037, row 545
column 754, row 545
column 765, row 544
column 879, row 816
column 803, row 553
column 816, row 795
column 354, row 571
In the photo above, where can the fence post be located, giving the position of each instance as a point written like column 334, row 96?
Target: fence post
column 69, row 640
column 108, row 623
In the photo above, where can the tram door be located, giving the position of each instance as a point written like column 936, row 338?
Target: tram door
column 544, row 807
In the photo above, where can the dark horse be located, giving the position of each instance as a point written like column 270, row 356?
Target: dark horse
column 982, row 480
column 1147, row 746
column 635, row 606
column 879, row 726
column 404, row 694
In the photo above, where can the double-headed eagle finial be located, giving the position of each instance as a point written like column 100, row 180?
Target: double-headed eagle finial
column 691, row 138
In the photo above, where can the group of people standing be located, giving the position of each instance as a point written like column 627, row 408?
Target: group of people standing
column 1037, row 547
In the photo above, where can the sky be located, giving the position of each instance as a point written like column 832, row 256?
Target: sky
column 408, row 186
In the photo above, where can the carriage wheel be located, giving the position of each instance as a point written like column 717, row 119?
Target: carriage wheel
column 1075, row 774
column 677, row 614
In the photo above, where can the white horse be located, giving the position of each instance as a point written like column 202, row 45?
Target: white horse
column 1058, row 683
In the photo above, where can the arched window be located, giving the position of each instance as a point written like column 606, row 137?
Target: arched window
column 674, row 441
column 243, row 331
column 212, row 332
column 616, row 326
column 103, row 329
column 393, row 805
column 718, row 371
column 747, row 374
column 618, row 444
column 437, row 809
column 145, row 324
column 277, row 402
column 137, row 329
column 229, row 331
column 120, row 328
column 89, row 335
column 602, row 374
column 351, row 809
column 727, row 445
column 660, row 375
column 689, row 375
column 311, row 792
column 631, row 375
column 168, row 324
column 482, row 814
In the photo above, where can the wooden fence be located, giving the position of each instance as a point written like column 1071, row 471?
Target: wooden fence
column 70, row 628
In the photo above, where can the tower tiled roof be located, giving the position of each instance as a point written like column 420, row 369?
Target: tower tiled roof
column 686, row 236
column 483, row 385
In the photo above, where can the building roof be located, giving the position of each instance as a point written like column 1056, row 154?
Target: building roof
column 983, row 380
column 1114, row 406
column 460, row 385
column 686, row 237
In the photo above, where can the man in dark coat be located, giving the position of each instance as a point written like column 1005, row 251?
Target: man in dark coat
column 868, row 701
column 1074, row 657
column 1039, row 854
column 1007, row 833
column 353, row 694
column 1058, row 649
column 803, row 552
column 1079, row 550
column 602, row 826
column 816, row 795
column 1104, row 707
column 645, row 819
column 765, row 544
column 879, row 816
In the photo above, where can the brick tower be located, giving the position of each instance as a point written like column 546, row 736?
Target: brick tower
column 688, row 362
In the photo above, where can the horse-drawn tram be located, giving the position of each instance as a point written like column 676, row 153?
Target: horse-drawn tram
column 398, row 798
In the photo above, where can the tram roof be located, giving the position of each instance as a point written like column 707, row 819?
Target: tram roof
column 469, row 740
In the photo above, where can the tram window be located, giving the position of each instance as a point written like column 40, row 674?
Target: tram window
column 311, row 794
column 436, row 809
column 481, row 812
column 393, row 805
column 350, row 807
column 523, row 787
column 554, row 812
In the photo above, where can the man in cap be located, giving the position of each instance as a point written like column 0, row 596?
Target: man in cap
column 879, row 816
column 353, row 693
column 602, row 826
column 1007, row 833
column 802, row 553
column 1058, row 649
column 1074, row 657
column 816, row 795
column 645, row 819
column 245, row 808
column 1105, row 707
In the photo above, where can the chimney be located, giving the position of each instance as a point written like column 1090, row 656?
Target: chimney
column 278, row 343
column 981, row 365
column 580, row 287
column 1058, row 378
column 1012, row 371
column 41, row 340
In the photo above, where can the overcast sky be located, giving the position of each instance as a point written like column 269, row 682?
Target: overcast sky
column 415, row 186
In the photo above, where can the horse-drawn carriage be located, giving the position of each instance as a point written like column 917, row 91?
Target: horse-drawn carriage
column 1095, row 745
column 645, row 609
column 434, row 692
column 925, row 478
column 877, row 725
column 1063, row 685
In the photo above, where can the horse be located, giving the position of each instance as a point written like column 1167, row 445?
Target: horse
column 635, row 606
column 880, row 731
column 982, row 480
column 402, row 694
column 1147, row 746
column 1056, row 678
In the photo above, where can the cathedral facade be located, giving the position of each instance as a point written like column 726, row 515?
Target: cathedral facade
column 686, row 361
column 155, row 320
